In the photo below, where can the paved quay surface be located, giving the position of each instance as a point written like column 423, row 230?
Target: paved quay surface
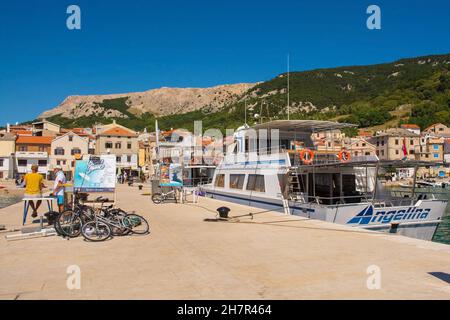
column 271, row 256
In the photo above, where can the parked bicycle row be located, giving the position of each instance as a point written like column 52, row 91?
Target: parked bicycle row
column 98, row 224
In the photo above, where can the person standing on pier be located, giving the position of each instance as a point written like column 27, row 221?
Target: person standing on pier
column 58, row 187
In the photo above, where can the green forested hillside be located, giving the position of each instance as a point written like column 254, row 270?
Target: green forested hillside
column 364, row 95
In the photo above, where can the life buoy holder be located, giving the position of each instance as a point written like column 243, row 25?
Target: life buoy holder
column 344, row 156
column 306, row 156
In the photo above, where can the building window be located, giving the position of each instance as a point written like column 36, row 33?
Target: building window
column 220, row 180
column 411, row 151
column 91, row 151
column 256, row 183
column 23, row 148
column 42, row 148
column 118, row 145
column 75, row 151
column 367, row 153
column 382, row 152
column 108, row 145
column 436, row 155
column 42, row 163
column 129, row 145
column 59, row 151
column 22, row 163
column 435, row 147
column 411, row 142
column 70, row 138
column 237, row 181
column 396, row 142
column 1, row 162
column 129, row 159
column 118, row 159
column 397, row 152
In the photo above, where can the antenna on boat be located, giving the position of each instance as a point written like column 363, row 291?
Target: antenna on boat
column 288, row 108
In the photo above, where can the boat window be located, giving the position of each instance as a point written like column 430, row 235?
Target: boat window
column 256, row 183
column 237, row 181
column 220, row 180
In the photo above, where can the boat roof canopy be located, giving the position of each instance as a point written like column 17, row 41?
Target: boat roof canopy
column 370, row 162
column 307, row 126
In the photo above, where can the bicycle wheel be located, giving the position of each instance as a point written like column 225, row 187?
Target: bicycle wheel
column 58, row 230
column 96, row 231
column 157, row 198
column 118, row 215
column 69, row 224
column 137, row 223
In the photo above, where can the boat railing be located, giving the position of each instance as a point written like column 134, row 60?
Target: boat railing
column 349, row 200
column 418, row 194
column 194, row 182
column 303, row 197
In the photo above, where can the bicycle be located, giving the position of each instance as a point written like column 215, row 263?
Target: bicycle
column 158, row 198
column 113, row 222
column 69, row 222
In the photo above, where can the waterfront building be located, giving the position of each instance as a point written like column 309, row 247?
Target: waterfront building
column 396, row 144
column 33, row 150
column 123, row 143
column 65, row 149
column 45, row 128
column 414, row 128
column 437, row 130
column 358, row 146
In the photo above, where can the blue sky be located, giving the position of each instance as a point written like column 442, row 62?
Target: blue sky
column 126, row 46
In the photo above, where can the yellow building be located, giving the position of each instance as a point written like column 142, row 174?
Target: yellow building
column 7, row 149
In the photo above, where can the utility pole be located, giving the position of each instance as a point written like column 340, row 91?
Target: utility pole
column 288, row 107
column 245, row 112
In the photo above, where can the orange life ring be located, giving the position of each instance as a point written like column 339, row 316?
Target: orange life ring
column 344, row 156
column 309, row 159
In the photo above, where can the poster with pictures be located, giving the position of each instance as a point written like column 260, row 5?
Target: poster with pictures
column 171, row 175
column 96, row 174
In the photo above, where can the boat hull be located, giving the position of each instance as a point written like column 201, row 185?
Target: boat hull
column 417, row 221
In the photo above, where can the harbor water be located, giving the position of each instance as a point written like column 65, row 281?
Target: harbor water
column 7, row 200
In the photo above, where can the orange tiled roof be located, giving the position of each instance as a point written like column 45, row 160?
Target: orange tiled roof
column 23, row 133
column 410, row 126
column 365, row 133
column 34, row 140
column 117, row 131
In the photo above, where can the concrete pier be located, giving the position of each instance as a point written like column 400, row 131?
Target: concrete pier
column 271, row 256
